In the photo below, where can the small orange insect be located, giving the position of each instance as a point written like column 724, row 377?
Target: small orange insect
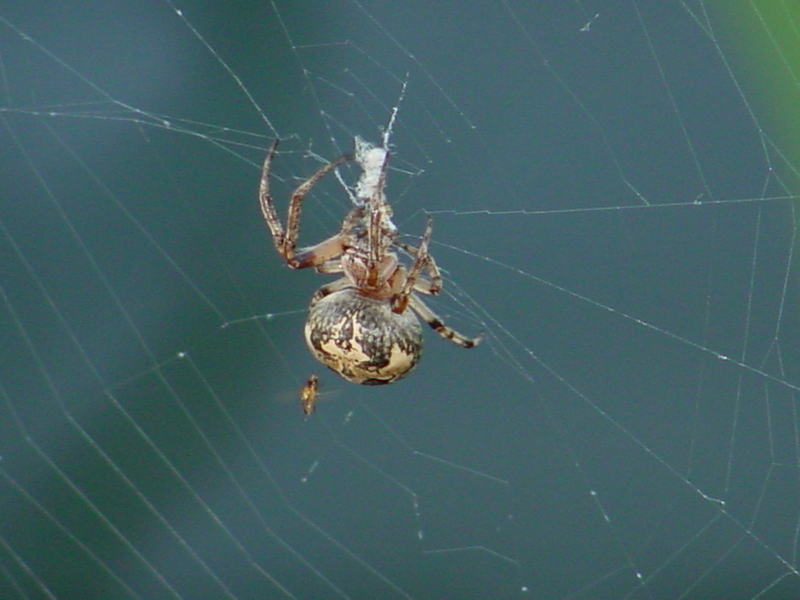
column 308, row 395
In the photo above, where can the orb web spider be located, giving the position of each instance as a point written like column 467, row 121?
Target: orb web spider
column 359, row 325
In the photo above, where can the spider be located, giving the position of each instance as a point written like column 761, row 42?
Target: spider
column 359, row 325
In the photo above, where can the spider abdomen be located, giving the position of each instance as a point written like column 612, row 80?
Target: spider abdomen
column 361, row 339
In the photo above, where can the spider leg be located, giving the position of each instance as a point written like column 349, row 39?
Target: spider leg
column 293, row 220
column 267, row 208
column 332, row 265
column 400, row 301
column 286, row 240
column 436, row 323
column 434, row 286
column 330, row 288
column 318, row 255
column 374, row 161
column 423, row 286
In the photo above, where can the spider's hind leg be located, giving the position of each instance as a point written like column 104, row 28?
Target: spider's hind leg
column 436, row 323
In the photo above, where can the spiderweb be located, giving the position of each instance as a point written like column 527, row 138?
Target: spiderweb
column 613, row 205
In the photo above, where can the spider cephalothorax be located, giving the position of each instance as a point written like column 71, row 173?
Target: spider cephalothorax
column 359, row 325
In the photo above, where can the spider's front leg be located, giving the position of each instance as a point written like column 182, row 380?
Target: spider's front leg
column 265, row 199
column 429, row 288
column 421, row 260
column 286, row 240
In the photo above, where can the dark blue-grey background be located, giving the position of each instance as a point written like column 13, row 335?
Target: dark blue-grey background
column 605, row 209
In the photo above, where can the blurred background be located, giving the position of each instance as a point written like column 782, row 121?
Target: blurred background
column 613, row 192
